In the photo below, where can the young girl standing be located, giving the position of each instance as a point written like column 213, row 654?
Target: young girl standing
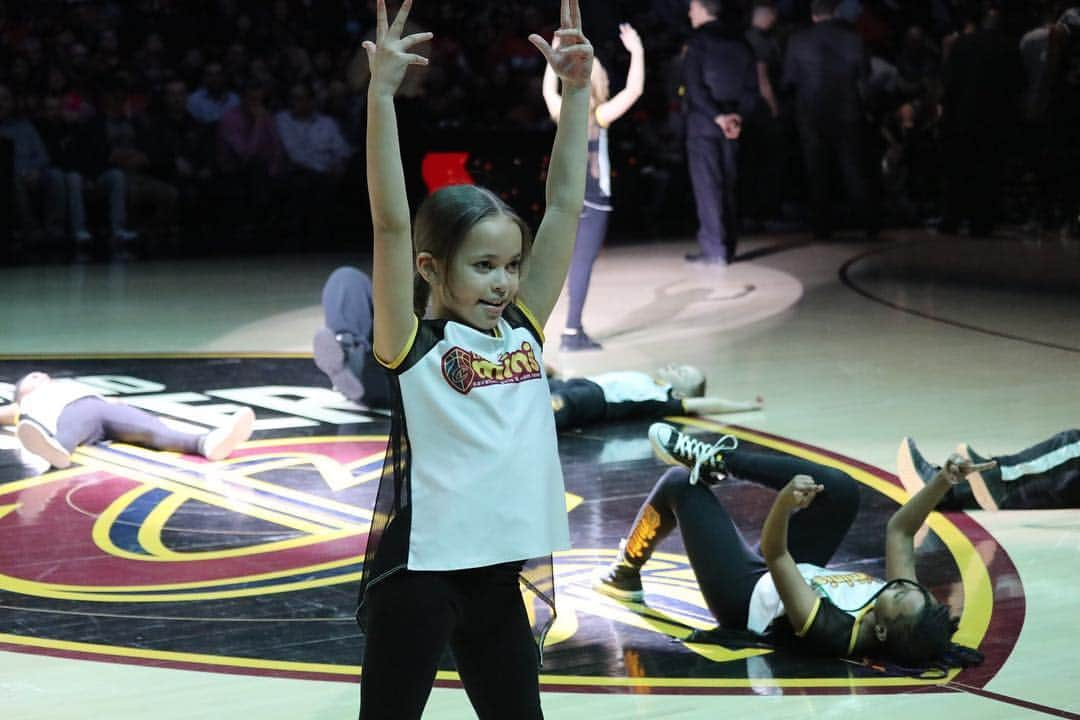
column 472, row 486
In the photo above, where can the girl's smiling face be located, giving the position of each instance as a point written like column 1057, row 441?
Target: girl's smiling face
column 483, row 275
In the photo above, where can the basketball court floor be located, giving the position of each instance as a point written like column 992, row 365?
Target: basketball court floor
column 155, row 585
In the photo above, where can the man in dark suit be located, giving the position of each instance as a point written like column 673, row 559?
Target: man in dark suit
column 826, row 69
column 720, row 89
column 980, row 112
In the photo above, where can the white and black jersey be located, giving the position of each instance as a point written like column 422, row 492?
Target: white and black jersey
column 45, row 404
column 832, row 627
column 611, row 397
column 472, row 476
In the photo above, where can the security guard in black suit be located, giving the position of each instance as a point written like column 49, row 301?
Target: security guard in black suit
column 720, row 88
column 826, row 69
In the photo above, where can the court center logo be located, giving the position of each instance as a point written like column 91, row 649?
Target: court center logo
column 127, row 533
column 130, row 525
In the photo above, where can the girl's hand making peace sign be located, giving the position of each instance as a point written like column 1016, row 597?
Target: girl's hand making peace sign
column 572, row 57
column 389, row 56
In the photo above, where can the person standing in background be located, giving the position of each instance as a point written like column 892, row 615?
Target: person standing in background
column 720, row 88
column 826, row 70
column 763, row 144
column 592, row 229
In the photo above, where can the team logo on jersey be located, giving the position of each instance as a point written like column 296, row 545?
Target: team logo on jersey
column 465, row 370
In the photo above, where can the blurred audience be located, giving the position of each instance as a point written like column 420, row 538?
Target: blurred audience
column 127, row 126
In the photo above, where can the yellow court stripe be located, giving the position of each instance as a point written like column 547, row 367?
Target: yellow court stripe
column 176, row 481
column 445, row 675
column 124, row 591
column 104, row 523
column 314, row 440
column 49, row 591
column 180, row 657
column 273, row 461
column 11, row 488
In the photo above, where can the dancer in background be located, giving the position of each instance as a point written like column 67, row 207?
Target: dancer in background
column 832, row 612
column 342, row 350
column 1044, row 476
column 57, row 416
column 603, row 110
column 631, row 395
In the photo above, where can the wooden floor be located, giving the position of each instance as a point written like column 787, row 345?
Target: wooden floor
column 852, row 345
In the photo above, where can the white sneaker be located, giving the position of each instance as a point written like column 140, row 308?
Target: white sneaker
column 219, row 444
column 41, row 442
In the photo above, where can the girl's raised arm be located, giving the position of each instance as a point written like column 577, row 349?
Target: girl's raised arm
column 571, row 61
column 905, row 522
column 550, row 89
column 617, row 106
column 392, row 273
column 800, row 601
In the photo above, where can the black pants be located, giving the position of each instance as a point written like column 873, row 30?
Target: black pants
column 761, row 167
column 726, row 567
column 592, row 228
column 713, row 175
column 1043, row 476
column 973, row 173
column 832, row 150
column 480, row 613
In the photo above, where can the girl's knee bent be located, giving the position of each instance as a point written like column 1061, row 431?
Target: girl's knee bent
column 841, row 489
column 672, row 485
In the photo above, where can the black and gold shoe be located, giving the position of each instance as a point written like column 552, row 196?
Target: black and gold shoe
column 621, row 580
column 678, row 448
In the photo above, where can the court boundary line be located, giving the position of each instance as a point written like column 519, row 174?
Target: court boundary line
column 848, row 282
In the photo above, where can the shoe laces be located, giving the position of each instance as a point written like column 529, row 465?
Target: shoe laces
column 701, row 452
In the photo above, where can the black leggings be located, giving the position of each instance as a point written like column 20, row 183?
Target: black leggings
column 726, row 568
column 480, row 613
column 592, row 228
column 1043, row 476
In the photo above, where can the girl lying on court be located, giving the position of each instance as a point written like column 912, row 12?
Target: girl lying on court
column 837, row 613
column 55, row 416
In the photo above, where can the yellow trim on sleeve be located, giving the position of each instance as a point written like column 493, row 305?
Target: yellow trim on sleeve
column 531, row 318
column 596, row 116
column 810, row 619
column 392, row 365
column 855, row 629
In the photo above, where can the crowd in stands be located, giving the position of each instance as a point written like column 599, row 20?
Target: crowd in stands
column 164, row 127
